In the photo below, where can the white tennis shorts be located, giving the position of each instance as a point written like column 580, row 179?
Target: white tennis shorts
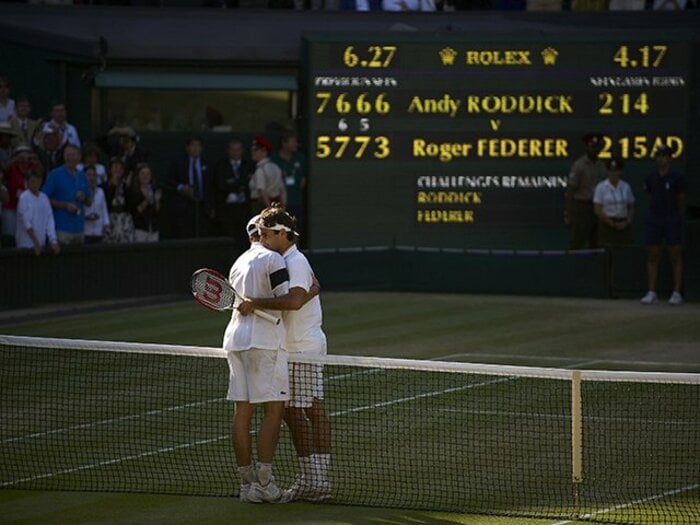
column 258, row 376
column 305, row 383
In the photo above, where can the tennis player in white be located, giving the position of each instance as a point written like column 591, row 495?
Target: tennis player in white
column 258, row 368
column 305, row 414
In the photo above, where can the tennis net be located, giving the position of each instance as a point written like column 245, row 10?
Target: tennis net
column 616, row 447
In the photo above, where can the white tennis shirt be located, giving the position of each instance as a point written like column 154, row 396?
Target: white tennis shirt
column 34, row 212
column 259, row 273
column 304, row 333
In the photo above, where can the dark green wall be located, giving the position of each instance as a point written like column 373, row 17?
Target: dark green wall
column 45, row 76
column 110, row 272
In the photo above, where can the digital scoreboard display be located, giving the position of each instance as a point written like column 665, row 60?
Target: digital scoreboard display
column 451, row 142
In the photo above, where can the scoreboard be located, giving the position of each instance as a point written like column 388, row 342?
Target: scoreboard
column 459, row 142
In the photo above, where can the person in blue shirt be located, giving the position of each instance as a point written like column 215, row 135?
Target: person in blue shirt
column 69, row 192
column 666, row 190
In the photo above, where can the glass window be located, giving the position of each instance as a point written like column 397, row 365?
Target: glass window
column 162, row 110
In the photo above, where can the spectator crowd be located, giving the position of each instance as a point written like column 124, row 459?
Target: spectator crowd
column 56, row 190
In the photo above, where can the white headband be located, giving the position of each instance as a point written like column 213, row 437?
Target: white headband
column 278, row 228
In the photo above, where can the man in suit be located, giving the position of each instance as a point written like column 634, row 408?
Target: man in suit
column 188, row 206
column 25, row 126
column 231, row 192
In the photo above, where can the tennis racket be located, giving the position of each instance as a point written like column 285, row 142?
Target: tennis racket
column 212, row 290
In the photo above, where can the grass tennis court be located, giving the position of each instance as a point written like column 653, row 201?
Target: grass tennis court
column 528, row 331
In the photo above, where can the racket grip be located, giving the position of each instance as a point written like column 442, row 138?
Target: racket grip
column 268, row 317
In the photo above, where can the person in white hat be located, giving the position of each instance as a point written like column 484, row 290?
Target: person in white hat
column 258, row 369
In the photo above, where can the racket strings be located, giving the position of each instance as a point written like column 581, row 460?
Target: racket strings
column 213, row 290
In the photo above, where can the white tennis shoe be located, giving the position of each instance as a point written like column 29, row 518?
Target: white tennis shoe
column 302, row 490
column 321, row 491
column 650, row 298
column 269, row 493
column 676, row 299
column 243, row 494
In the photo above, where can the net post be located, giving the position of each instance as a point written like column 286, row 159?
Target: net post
column 576, row 436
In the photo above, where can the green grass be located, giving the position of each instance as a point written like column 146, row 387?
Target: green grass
column 492, row 329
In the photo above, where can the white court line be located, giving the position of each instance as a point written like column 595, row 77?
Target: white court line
column 632, row 503
column 529, row 357
column 113, row 420
column 114, row 461
column 420, row 396
column 568, row 418
column 378, row 370
column 446, row 391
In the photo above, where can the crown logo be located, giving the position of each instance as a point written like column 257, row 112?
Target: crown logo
column 447, row 56
column 549, row 56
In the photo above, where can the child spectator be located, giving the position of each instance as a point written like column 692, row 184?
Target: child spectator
column 91, row 157
column 35, row 223
column 96, row 215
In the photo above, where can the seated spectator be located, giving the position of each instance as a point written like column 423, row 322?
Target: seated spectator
column 7, row 105
column 58, row 122
column 91, row 157
column 145, row 205
column 96, row 215
column 117, row 194
column 35, row 222
column 48, row 148
column 25, row 126
column 69, row 192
